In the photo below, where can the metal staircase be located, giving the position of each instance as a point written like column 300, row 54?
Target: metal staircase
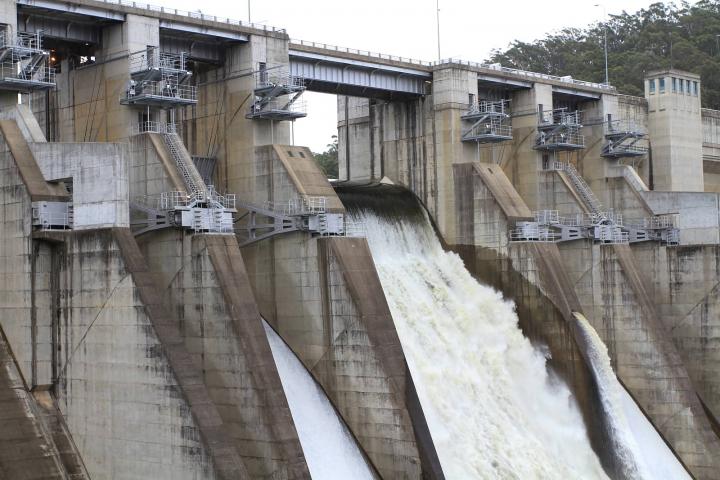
column 559, row 130
column 159, row 79
column 174, row 146
column 583, row 189
column 23, row 62
column 277, row 95
column 622, row 137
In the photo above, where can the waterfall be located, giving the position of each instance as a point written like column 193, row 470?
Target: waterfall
column 330, row 451
column 643, row 453
column 493, row 409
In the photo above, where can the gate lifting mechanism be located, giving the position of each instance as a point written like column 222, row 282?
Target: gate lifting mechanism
column 606, row 227
column 308, row 214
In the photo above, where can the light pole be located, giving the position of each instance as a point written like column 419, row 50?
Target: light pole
column 437, row 7
column 607, row 79
column 249, row 21
column 717, row 44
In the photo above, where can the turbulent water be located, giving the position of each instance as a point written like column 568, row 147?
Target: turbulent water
column 493, row 410
column 642, row 451
column 330, row 451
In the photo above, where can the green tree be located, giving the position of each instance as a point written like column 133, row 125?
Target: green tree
column 328, row 160
column 661, row 35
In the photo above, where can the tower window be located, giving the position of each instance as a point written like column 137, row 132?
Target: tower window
column 661, row 85
column 651, row 84
column 674, row 84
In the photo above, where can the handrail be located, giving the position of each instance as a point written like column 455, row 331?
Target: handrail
column 196, row 15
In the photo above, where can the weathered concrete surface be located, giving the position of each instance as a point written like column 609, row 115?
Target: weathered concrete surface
column 99, row 176
column 352, row 258
column 56, row 426
column 189, row 375
column 533, row 277
column 132, row 400
column 169, row 166
column 27, row 450
column 32, row 177
column 306, row 177
column 683, row 283
column 269, row 410
column 307, row 301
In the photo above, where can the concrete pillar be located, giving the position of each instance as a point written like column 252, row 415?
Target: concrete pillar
column 591, row 165
column 241, row 170
column 8, row 16
column 99, row 115
column 452, row 88
column 524, row 171
column 675, row 130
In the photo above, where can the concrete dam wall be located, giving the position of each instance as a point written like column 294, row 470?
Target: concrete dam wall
column 514, row 277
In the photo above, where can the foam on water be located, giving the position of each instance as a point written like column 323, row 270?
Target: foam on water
column 493, row 410
column 330, row 451
column 643, row 453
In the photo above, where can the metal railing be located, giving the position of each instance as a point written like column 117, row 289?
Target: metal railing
column 525, row 73
column 153, row 58
column 581, row 186
column 37, row 74
column 365, row 53
column 531, row 231
column 657, row 222
column 561, row 138
column 298, row 206
column 172, row 200
column 486, row 107
column 279, row 77
column 174, row 145
column 277, row 105
column 489, row 129
column 198, row 15
column 560, row 116
column 448, row 61
column 612, row 234
column 626, row 126
column 163, row 90
column 27, row 41
column 154, row 127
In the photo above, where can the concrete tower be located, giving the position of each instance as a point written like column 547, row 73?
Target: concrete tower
column 675, row 127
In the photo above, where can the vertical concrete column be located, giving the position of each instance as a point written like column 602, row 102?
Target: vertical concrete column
column 241, row 170
column 525, row 170
column 675, row 130
column 99, row 115
column 355, row 142
column 8, row 16
column 452, row 87
column 591, row 165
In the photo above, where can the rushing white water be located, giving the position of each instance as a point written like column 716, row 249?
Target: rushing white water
column 643, row 452
column 493, row 410
column 330, row 451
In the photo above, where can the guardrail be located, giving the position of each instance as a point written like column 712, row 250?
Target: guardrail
column 37, row 74
column 162, row 89
column 154, row 127
column 196, row 15
column 366, row 53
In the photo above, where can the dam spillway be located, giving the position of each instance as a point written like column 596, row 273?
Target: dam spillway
column 330, row 449
column 155, row 210
column 468, row 356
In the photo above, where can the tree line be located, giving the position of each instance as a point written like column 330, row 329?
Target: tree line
column 683, row 36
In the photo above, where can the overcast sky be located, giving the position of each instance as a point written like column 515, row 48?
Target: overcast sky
column 469, row 29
